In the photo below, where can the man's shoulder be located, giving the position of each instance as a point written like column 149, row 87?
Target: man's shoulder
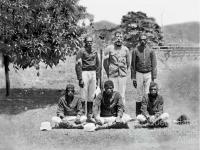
column 160, row 97
column 116, row 94
column 125, row 48
column 62, row 98
column 149, row 48
column 110, row 47
column 81, row 50
column 146, row 96
column 77, row 98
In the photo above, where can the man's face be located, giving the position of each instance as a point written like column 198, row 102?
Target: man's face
column 88, row 42
column 109, row 90
column 70, row 92
column 153, row 90
column 118, row 39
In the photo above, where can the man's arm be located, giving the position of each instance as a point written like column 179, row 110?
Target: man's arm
column 133, row 59
column 127, row 58
column 98, row 64
column 144, row 105
column 106, row 61
column 78, row 66
column 96, row 105
column 153, row 65
column 60, row 108
column 160, row 107
column 120, row 105
column 79, row 107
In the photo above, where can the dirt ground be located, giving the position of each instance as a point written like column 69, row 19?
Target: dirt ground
column 33, row 100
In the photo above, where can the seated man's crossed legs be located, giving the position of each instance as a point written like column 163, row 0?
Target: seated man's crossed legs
column 68, row 122
column 160, row 121
column 110, row 122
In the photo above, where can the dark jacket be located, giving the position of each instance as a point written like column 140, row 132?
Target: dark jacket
column 143, row 61
column 67, row 107
column 86, row 61
column 108, row 106
column 152, row 105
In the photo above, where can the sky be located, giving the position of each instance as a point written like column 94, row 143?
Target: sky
column 164, row 11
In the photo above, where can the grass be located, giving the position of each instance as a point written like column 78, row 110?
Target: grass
column 33, row 102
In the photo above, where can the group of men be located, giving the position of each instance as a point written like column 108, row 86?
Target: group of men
column 107, row 108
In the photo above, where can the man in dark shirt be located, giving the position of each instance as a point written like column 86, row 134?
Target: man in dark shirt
column 88, row 72
column 152, row 108
column 109, row 108
column 143, row 69
column 69, row 111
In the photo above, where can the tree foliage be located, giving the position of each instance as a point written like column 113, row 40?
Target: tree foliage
column 136, row 23
column 36, row 31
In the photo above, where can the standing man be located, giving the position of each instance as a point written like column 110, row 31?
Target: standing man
column 143, row 69
column 88, row 71
column 117, row 63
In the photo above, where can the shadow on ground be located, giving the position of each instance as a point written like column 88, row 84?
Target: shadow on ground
column 21, row 100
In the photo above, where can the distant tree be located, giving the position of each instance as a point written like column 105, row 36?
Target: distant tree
column 33, row 31
column 135, row 23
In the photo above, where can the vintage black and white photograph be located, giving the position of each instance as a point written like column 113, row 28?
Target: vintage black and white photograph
column 99, row 74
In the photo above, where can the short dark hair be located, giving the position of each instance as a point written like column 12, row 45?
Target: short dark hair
column 153, row 84
column 85, row 39
column 108, row 83
column 70, row 86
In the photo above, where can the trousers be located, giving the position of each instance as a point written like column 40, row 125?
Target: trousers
column 88, row 91
column 143, row 83
column 120, row 86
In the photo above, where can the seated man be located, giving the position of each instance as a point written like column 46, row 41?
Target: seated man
column 108, row 108
column 69, row 111
column 152, row 109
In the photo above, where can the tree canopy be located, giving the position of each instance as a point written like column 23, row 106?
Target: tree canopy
column 34, row 31
column 136, row 23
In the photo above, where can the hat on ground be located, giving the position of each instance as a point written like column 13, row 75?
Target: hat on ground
column 45, row 126
column 182, row 119
column 89, row 127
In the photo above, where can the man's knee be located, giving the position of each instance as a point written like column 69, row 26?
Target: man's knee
column 141, row 118
column 126, row 118
column 83, row 119
column 56, row 119
column 164, row 116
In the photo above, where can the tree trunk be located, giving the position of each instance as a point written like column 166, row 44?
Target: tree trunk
column 6, row 65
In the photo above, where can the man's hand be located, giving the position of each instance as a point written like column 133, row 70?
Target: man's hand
column 135, row 83
column 97, row 81
column 81, row 83
column 118, row 120
column 78, row 119
column 152, row 119
column 98, row 121
column 61, row 116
